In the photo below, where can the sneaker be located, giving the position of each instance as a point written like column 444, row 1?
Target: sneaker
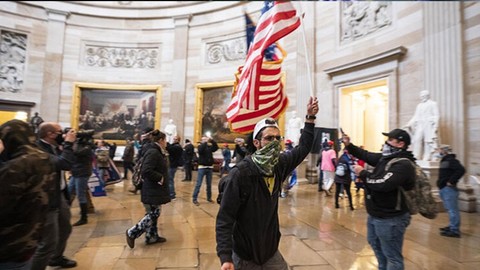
column 64, row 262
column 450, row 234
column 283, row 195
column 444, row 229
column 196, row 203
column 130, row 240
column 210, row 200
column 159, row 239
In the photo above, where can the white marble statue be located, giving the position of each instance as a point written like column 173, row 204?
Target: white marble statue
column 295, row 124
column 170, row 131
column 424, row 128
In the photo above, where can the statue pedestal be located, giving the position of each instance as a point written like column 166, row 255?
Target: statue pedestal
column 466, row 198
column 311, row 172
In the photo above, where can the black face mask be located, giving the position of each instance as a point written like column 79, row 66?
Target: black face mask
column 59, row 139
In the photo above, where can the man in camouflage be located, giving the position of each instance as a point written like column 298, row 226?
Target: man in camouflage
column 57, row 227
column 26, row 174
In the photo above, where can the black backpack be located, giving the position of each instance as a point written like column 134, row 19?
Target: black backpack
column 245, row 182
column 137, row 179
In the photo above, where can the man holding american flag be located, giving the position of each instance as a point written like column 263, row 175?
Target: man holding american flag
column 247, row 226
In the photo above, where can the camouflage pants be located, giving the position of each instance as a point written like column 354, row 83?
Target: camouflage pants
column 147, row 224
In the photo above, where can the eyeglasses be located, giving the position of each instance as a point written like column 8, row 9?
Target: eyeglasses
column 271, row 138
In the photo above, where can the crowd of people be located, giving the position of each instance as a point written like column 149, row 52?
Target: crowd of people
column 36, row 192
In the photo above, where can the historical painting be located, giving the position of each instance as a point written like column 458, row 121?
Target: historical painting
column 212, row 100
column 116, row 112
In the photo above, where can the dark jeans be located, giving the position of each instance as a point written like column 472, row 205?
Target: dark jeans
column 127, row 166
column 171, row 182
column 54, row 236
column 276, row 262
column 188, row 167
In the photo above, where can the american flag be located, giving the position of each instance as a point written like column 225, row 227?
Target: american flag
column 258, row 91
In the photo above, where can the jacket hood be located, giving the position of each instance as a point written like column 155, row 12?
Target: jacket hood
column 15, row 134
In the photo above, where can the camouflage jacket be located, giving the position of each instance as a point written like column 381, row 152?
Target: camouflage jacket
column 25, row 181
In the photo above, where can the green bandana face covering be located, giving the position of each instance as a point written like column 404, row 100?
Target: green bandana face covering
column 267, row 157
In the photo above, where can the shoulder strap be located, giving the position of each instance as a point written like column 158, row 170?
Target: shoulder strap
column 393, row 160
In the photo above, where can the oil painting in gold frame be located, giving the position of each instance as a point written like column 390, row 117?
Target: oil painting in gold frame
column 115, row 112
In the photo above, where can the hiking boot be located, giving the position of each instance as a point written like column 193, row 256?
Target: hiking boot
column 81, row 221
column 444, row 229
column 159, row 239
column 130, row 240
column 64, row 262
column 450, row 234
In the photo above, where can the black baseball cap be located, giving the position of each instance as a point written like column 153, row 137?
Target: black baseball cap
column 398, row 134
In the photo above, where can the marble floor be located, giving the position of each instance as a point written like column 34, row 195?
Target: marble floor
column 315, row 235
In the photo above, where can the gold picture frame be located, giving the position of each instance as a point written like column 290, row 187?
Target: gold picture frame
column 115, row 112
column 211, row 102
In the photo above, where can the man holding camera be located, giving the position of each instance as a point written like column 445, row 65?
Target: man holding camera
column 57, row 227
column 81, row 171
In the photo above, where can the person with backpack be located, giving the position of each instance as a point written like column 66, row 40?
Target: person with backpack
column 155, row 191
column 388, row 213
column 343, row 178
column 247, row 226
column 450, row 172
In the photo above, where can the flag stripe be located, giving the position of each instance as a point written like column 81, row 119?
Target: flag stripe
column 258, row 91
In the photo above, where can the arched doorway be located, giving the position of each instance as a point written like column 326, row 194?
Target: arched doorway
column 364, row 112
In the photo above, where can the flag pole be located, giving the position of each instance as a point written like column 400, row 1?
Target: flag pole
column 306, row 55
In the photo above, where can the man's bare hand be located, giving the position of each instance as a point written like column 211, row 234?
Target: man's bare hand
column 227, row 266
column 312, row 107
column 71, row 136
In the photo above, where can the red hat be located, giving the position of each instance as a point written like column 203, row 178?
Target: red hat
column 330, row 143
column 288, row 141
column 225, row 144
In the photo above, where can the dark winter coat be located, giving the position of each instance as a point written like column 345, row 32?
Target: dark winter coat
column 155, row 189
column 175, row 152
column 381, row 186
column 249, row 226
column 346, row 178
column 205, row 153
column 82, row 166
column 450, row 171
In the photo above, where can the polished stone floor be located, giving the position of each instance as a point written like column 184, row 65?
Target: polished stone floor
column 315, row 235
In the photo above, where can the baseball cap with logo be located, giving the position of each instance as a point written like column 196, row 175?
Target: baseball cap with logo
column 398, row 134
column 266, row 122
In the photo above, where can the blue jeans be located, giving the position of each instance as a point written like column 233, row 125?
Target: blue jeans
column 171, row 182
column 203, row 172
column 80, row 184
column 385, row 236
column 449, row 197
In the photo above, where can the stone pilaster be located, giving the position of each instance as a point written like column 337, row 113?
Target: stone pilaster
column 444, row 79
column 179, row 72
column 52, row 75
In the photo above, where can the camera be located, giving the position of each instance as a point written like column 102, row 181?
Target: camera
column 83, row 136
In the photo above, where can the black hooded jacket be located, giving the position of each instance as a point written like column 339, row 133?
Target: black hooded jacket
column 450, row 171
column 381, row 186
column 249, row 226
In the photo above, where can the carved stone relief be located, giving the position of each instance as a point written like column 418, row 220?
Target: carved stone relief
column 226, row 50
column 13, row 53
column 121, row 57
column 359, row 18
